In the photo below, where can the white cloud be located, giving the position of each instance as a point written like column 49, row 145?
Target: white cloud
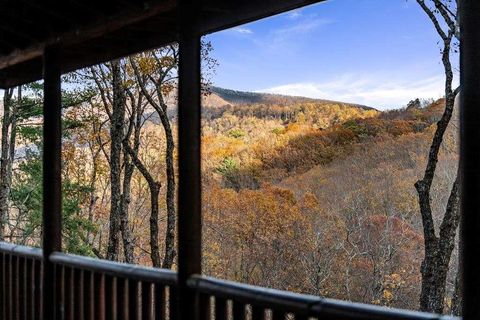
column 242, row 30
column 303, row 26
column 295, row 14
column 380, row 92
column 282, row 38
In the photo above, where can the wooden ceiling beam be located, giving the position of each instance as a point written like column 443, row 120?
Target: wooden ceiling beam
column 89, row 53
column 85, row 33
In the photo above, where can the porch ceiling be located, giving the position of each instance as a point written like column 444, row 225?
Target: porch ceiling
column 87, row 32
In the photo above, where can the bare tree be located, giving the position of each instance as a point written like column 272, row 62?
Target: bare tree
column 112, row 76
column 438, row 248
column 9, row 124
column 162, row 80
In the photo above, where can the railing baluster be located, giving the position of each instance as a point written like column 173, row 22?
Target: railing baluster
column 68, row 292
column 15, row 287
column 21, row 288
column 258, row 313
column 220, row 308
column 98, row 291
column 109, row 297
column 160, row 305
column 238, row 310
column 88, row 308
column 147, row 300
column 58, row 292
column 173, row 303
column 121, row 298
column 8, row 282
column 28, row 289
column 133, row 304
column 78, row 294
column 37, row 289
column 205, row 307
column 278, row 315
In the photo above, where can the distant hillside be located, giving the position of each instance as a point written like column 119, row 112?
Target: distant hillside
column 243, row 97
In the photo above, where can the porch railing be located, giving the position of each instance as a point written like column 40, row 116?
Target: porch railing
column 20, row 287
column 87, row 288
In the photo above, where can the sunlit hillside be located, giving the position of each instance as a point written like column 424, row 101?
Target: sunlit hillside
column 319, row 197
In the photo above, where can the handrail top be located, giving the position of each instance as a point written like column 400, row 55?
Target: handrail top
column 304, row 304
column 20, row 250
column 117, row 269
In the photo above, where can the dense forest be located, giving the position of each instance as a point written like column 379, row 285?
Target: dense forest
column 299, row 194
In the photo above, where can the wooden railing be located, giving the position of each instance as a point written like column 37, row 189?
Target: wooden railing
column 20, row 287
column 220, row 300
column 87, row 288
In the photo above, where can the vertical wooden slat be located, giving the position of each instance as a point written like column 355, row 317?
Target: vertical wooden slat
column 189, row 157
column 59, row 302
column 133, row 304
column 37, row 289
column 258, row 313
column 15, row 286
column 205, row 307
column 52, row 194
column 147, row 300
column 238, row 310
column 22, row 288
column 88, row 305
column 99, row 297
column 220, row 309
column 160, row 301
column 121, row 299
column 68, row 292
column 8, row 285
column 278, row 315
column 28, row 289
column 110, row 305
column 173, row 303
column 29, row 278
column 78, row 295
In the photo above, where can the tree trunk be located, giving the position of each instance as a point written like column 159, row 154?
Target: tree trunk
column 438, row 250
column 154, row 187
column 154, row 246
column 127, row 237
column 116, row 135
column 6, row 158
column 170, row 199
column 457, row 294
column 161, row 109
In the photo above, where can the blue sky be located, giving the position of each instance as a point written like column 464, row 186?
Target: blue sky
column 380, row 53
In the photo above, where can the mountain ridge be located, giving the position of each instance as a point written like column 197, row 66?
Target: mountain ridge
column 239, row 97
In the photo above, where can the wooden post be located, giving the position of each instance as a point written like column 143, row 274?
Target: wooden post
column 189, row 185
column 470, row 154
column 52, row 193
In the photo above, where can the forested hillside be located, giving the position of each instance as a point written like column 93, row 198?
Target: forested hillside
column 321, row 199
column 300, row 194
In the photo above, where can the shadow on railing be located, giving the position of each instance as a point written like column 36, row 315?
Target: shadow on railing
column 87, row 288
